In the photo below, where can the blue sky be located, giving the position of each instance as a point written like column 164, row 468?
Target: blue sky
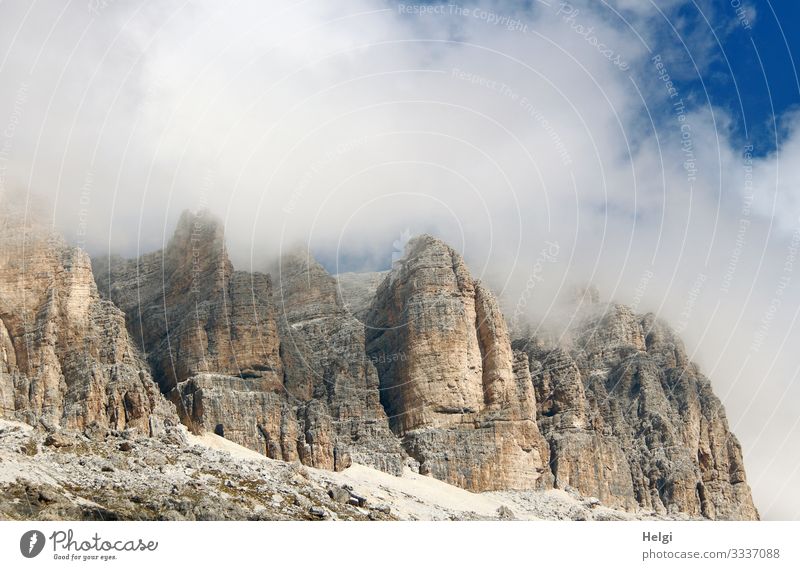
column 772, row 42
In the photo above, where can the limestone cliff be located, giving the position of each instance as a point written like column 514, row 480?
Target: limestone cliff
column 282, row 374
column 447, row 374
column 325, row 362
column 632, row 421
column 65, row 355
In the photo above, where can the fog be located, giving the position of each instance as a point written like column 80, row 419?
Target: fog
column 546, row 159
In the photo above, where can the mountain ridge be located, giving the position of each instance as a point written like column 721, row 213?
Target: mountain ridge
column 299, row 365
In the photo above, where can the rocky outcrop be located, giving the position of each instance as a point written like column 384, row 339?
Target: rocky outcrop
column 632, row 421
column 583, row 455
column 284, row 374
column 65, row 355
column 210, row 335
column 447, row 374
column 325, row 363
column 191, row 312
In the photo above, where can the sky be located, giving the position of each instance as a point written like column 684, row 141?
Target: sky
column 649, row 148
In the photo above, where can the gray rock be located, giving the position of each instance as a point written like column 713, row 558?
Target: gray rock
column 447, row 375
column 339, row 494
column 505, row 514
column 66, row 359
column 632, row 421
column 318, row 512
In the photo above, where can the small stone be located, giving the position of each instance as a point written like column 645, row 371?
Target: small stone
column 95, row 431
column 125, row 446
column 505, row 514
column 130, row 433
column 339, row 494
column 47, row 496
column 592, row 502
column 318, row 512
column 383, row 508
column 357, row 500
column 58, row 440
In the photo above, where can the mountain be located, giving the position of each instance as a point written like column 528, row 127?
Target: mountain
column 448, row 380
column 632, row 421
column 411, row 372
column 66, row 359
column 279, row 368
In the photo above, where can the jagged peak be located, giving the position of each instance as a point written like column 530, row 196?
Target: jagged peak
column 199, row 226
column 422, row 242
column 295, row 260
column 424, row 250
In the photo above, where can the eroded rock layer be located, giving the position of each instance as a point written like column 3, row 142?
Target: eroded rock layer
column 325, row 362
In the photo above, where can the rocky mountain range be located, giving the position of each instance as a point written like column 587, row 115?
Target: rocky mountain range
column 409, row 371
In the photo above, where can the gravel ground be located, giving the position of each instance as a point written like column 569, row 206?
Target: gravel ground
column 100, row 474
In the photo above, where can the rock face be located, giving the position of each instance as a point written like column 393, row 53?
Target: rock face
column 447, row 375
column 65, row 356
column 325, row 362
column 284, row 376
column 191, row 312
column 631, row 421
column 209, row 333
column 356, row 290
